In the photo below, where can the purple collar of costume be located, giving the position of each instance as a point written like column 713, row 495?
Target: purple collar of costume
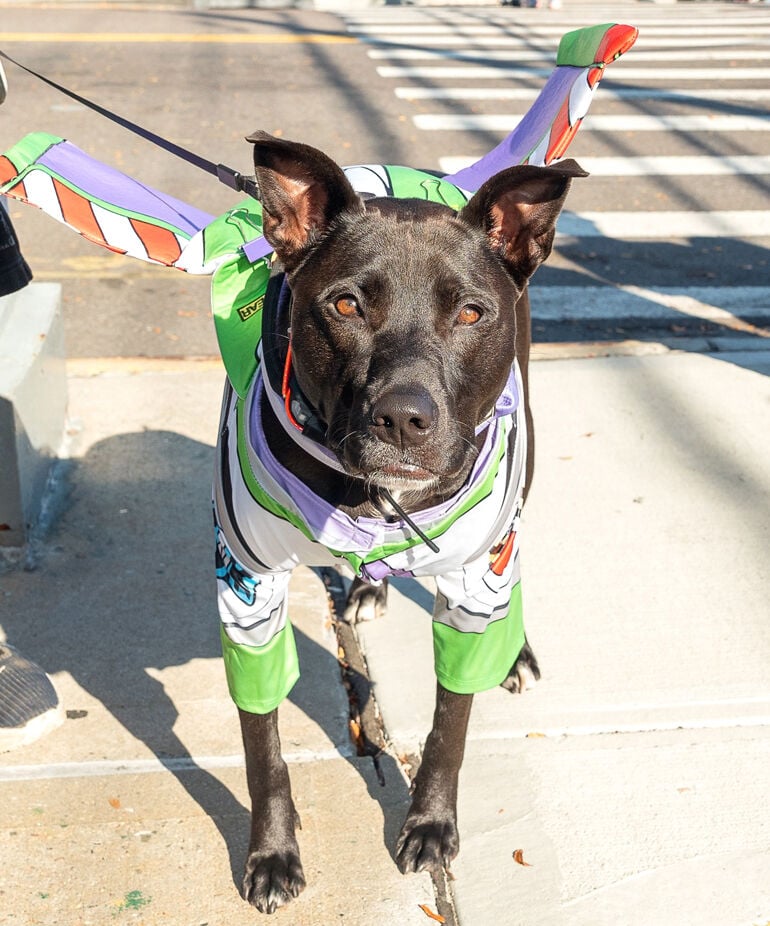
column 329, row 525
column 506, row 404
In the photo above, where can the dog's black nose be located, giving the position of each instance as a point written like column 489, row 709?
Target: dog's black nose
column 404, row 418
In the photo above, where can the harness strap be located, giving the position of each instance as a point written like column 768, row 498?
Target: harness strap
column 277, row 360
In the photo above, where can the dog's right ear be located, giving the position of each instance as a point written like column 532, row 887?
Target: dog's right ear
column 302, row 191
column 517, row 209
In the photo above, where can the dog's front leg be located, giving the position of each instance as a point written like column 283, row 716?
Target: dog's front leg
column 429, row 837
column 273, row 868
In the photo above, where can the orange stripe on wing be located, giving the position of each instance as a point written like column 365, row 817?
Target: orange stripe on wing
column 7, row 169
column 161, row 244
column 616, row 42
column 562, row 133
column 18, row 191
column 77, row 212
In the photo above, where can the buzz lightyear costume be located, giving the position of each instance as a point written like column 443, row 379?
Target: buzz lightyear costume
column 267, row 521
column 478, row 629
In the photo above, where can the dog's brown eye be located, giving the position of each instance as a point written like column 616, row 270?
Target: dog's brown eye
column 469, row 315
column 346, row 306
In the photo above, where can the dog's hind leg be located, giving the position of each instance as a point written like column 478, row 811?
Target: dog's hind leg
column 429, row 838
column 273, row 868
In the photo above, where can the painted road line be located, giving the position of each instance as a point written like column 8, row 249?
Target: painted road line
column 540, row 33
column 424, row 54
column 472, row 122
column 180, row 38
column 700, row 166
column 667, row 225
column 686, row 29
column 546, row 44
column 697, row 54
column 620, row 72
column 593, row 303
column 747, row 94
column 107, row 767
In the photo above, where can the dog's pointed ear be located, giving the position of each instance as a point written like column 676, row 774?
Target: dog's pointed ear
column 301, row 190
column 517, row 210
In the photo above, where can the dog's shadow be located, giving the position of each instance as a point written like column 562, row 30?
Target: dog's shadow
column 138, row 517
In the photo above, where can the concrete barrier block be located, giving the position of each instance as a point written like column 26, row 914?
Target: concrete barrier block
column 33, row 403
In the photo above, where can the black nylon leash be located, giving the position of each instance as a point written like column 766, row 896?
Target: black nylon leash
column 227, row 175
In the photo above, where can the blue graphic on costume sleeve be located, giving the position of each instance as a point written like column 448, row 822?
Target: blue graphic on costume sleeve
column 231, row 572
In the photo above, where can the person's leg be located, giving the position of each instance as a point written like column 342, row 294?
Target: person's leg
column 14, row 270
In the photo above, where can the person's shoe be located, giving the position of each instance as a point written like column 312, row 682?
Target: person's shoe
column 29, row 705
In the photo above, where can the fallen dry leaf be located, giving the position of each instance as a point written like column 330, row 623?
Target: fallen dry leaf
column 434, row 916
column 518, row 857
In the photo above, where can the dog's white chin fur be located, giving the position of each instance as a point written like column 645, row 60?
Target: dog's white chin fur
column 404, row 489
column 401, row 483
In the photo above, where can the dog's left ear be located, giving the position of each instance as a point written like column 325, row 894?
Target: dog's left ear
column 517, row 209
column 301, row 191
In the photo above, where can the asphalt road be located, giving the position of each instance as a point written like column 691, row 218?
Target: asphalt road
column 344, row 84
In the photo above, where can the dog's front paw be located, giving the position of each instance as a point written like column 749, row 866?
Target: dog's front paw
column 524, row 673
column 365, row 602
column 272, row 880
column 427, row 844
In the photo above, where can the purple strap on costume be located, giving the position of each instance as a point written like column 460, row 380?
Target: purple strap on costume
column 257, row 249
column 507, row 402
column 324, row 520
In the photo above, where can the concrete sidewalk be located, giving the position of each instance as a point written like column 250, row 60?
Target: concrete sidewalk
column 634, row 778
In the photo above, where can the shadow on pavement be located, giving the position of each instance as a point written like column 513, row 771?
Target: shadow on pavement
column 126, row 587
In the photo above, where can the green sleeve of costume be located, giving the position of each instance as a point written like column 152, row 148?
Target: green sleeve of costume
column 260, row 677
column 467, row 663
column 237, row 290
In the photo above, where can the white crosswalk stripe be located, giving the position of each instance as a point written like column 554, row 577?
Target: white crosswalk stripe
column 652, row 165
column 546, row 54
column 495, row 40
column 471, row 27
column 752, row 223
column 628, row 73
column 597, row 123
column 681, row 124
column 744, row 94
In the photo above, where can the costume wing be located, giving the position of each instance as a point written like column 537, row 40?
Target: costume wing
column 124, row 215
column 552, row 121
column 104, row 205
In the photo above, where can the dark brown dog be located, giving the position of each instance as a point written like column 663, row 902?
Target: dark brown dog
column 406, row 319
